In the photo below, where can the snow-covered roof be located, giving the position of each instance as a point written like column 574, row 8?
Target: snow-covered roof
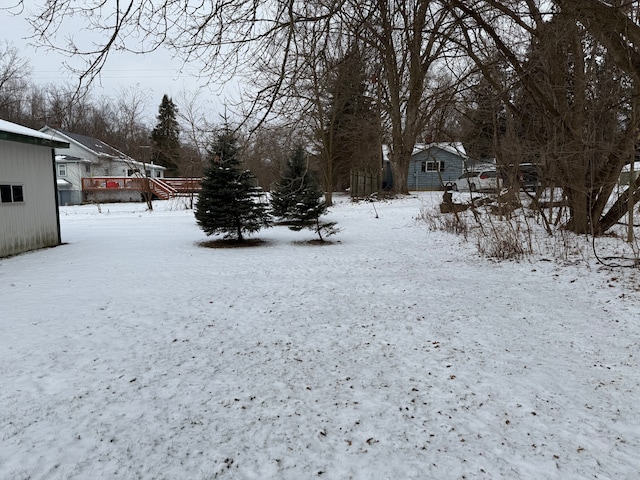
column 95, row 146
column 99, row 148
column 71, row 158
column 15, row 132
column 457, row 148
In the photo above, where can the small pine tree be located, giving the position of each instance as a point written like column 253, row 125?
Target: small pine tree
column 229, row 201
column 296, row 198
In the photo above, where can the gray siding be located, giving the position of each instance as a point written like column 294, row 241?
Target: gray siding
column 72, row 194
column 453, row 166
column 33, row 223
column 69, row 197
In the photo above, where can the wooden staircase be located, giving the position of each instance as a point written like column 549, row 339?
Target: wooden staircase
column 161, row 189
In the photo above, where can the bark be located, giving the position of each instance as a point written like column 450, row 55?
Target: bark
column 613, row 27
column 620, row 208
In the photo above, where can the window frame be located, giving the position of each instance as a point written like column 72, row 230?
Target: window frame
column 62, row 169
column 431, row 166
column 11, row 193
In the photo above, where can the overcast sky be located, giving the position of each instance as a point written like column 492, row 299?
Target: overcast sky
column 157, row 73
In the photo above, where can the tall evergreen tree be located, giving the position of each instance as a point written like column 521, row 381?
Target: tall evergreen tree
column 229, row 201
column 296, row 198
column 352, row 137
column 165, row 137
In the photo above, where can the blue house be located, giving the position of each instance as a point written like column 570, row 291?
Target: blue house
column 435, row 165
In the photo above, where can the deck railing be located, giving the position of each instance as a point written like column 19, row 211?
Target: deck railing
column 184, row 184
column 162, row 187
column 102, row 183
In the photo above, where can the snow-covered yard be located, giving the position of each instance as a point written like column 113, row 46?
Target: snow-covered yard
column 396, row 352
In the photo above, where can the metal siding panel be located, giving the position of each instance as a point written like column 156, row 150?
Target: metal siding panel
column 32, row 224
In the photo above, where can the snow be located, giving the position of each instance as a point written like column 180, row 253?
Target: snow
column 14, row 128
column 394, row 352
column 457, row 148
column 636, row 167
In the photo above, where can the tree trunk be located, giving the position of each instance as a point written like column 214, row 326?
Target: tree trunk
column 579, row 209
column 400, row 170
column 620, row 207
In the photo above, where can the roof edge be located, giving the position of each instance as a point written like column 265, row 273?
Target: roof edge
column 42, row 142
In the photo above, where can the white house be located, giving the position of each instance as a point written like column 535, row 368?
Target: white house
column 29, row 216
column 69, row 173
column 90, row 167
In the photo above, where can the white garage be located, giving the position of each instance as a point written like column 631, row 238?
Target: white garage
column 28, row 206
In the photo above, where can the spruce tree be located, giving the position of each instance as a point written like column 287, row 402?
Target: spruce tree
column 296, row 198
column 229, row 202
column 165, row 137
column 351, row 138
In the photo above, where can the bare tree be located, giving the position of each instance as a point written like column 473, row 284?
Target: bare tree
column 130, row 123
column 14, row 81
column 231, row 37
column 411, row 41
column 265, row 153
column 568, row 102
column 414, row 45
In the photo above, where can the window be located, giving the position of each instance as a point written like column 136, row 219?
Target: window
column 11, row 194
column 432, row 166
column 5, row 194
column 62, row 169
column 87, row 168
column 469, row 174
column 158, row 173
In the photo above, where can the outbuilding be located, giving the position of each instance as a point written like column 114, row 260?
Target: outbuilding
column 435, row 166
column 29, row 217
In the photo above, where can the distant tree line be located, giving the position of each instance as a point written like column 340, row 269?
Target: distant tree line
column 550, row 82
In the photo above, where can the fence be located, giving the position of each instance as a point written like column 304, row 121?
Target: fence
column 364, row 184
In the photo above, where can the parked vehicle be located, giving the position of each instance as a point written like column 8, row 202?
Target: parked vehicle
column 526, row 175
column 482, row 180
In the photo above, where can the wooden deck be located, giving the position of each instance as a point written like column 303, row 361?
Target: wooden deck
column 163, row 188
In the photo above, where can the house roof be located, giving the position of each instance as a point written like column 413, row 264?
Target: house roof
column 98, row 147
column 62, row 183
column 18, row 133
column 457, row 148
column 71, row 158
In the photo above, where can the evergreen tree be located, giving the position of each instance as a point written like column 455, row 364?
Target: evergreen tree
column 229, row 200
column 351, row 137
column 296, row 198
column 165, row 137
